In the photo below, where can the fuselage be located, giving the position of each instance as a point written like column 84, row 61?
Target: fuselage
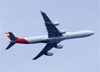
column 46, row 39
column 52, row 39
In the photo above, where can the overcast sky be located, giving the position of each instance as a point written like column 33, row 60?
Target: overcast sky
column 23, row 18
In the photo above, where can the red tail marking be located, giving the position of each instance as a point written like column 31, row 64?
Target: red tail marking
column 21, row 41
column 10, row 38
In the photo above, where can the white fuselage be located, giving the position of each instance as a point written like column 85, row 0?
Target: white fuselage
column 67, row 35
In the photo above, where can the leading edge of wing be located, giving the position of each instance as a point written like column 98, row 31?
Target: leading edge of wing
column 45, row 50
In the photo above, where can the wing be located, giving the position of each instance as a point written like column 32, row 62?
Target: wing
column 45, row 50
column 51, row 29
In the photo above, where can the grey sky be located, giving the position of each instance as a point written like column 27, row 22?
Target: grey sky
column 23, row 18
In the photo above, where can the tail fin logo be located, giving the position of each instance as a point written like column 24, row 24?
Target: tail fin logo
column 7, row 33
column 10, row 34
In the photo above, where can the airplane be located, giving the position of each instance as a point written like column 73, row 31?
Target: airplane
column 54, row 37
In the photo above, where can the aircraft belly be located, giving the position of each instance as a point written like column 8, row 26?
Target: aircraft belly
column 54, row 39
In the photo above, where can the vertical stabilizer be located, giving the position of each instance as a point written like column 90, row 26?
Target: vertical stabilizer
column 11, row 36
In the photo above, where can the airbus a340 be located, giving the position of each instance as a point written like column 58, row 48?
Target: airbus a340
column 54, row 37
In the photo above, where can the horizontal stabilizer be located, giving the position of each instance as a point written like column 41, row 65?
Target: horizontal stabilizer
column 10, row 45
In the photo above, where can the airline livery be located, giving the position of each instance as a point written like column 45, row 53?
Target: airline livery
column 54, row 37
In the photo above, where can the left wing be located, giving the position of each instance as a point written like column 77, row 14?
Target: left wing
column 45, row 50
column 51, row 29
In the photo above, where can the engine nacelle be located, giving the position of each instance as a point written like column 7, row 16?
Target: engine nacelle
column 62, row 31
column 56, row 23
column 49, row 53
column 59, row 46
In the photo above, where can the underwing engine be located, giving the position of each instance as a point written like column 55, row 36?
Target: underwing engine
column 49, row 53
column 62, row 31
column 59, row 46
column 56, row 23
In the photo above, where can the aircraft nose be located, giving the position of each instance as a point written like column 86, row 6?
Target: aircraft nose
column 92, row 32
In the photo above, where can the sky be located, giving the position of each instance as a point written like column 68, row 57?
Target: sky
column 23, row 18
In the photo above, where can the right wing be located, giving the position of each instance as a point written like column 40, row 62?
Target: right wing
column 45, row 50
column 51, row 29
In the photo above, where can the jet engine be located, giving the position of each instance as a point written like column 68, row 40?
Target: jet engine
column 49, row 53
column 59, row 46
column 56, row 23
column 62, row 31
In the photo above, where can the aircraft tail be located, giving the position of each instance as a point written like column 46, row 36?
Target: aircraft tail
column 11, row 36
